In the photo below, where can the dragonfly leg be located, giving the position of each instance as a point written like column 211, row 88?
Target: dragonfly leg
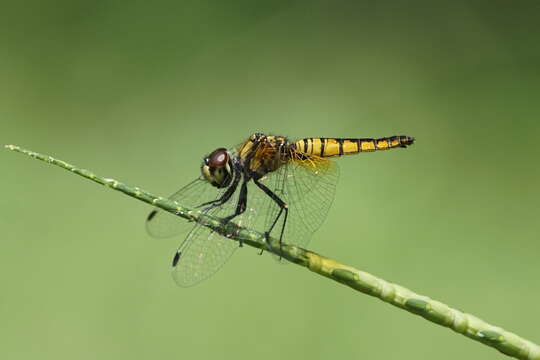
column 240, row 206
column 283, row 208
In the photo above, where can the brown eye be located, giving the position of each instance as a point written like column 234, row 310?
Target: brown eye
column 218, row 158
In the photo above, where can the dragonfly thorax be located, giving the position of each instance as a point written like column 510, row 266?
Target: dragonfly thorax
column 262, row 154
column 217, row 168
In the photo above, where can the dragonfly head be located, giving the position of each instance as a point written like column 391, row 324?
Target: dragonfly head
column 217, row 168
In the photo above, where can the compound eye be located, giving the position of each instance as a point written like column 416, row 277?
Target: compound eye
column 218, row 158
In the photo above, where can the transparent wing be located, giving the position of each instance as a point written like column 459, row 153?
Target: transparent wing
column 307, row 185
column 162, row 224
column 204, row 252
column 201, row 254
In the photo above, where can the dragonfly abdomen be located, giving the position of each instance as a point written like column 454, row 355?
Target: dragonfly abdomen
column 328, row 147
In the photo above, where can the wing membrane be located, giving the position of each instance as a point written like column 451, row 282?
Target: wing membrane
column 162, row 224
column 204, row 251
column 307, row 185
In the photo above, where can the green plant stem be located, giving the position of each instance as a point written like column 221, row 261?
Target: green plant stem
column 466, row 324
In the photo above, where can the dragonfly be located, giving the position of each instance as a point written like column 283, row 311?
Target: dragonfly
column 268, row 183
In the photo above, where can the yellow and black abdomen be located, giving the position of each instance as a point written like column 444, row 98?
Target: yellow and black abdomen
column 327, row 147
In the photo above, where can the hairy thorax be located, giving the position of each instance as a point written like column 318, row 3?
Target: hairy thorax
column 263, row 154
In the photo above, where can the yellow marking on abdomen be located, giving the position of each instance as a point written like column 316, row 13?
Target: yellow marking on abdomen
column 331, row 147
column 349, row 146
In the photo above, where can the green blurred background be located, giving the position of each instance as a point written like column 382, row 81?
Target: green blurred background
column 140, row 91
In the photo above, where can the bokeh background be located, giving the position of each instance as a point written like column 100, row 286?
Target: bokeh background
column 140, row 91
